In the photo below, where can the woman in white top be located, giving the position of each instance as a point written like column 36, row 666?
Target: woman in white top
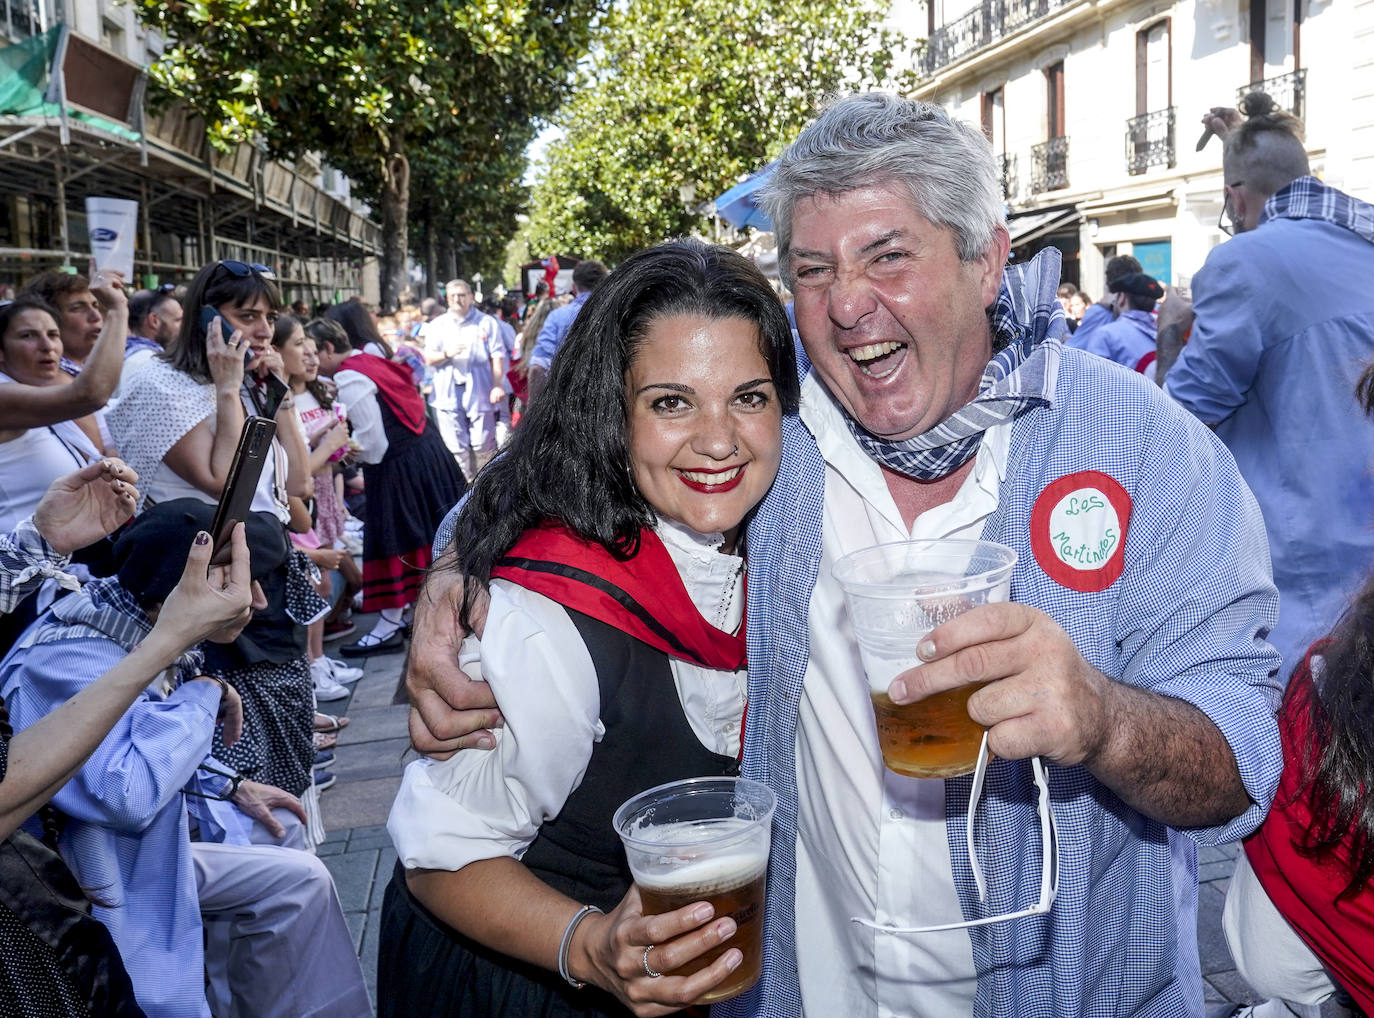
column 49, row 426
column 610, row 538
column 179, row 421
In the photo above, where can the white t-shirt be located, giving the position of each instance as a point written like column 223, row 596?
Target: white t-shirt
column 30, row 463
column 488, row 804
column 871, row 842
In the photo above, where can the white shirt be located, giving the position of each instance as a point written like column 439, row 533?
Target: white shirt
column 872, row 842
column 489, row 804
column 358, row 393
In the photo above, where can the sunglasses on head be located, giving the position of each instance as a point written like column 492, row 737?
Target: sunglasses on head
column 241, row 270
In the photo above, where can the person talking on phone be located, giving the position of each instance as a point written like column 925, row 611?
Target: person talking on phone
column 181, row 418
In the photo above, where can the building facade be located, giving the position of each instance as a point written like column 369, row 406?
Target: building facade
column 73, row 125
column 1094, row 108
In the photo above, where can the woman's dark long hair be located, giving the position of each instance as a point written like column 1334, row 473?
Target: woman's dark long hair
column 568, row 460
column 215, row 286
column 281, row 332
column 1337, row 764
column 357, row 321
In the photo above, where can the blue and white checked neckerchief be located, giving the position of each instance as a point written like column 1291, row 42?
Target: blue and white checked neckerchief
column 1019, row 377
column 1309, row 198
column 102, row 609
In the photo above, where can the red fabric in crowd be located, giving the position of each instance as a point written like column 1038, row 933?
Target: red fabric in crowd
column 654, row 606
column 394, row 582
column 1302, row 888
column 395, row 384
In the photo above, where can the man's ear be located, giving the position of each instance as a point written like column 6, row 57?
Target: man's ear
column 994, row 261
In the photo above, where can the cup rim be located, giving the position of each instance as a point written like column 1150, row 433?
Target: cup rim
column 694, row 786
column 977, row 581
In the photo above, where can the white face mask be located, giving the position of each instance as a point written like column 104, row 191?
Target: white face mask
column 1049, row 856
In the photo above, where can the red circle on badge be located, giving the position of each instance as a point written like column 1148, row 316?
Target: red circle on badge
column 1073, row 536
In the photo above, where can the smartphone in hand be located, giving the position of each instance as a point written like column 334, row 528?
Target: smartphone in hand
column 236, row 500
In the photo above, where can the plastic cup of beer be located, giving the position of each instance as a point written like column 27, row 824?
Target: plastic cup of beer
column 896, row 594
column 704, row 839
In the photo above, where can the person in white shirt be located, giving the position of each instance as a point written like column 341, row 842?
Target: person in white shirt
column 464, row 347
column 610, row 534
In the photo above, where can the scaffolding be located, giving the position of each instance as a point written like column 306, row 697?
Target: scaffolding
column 72, row 125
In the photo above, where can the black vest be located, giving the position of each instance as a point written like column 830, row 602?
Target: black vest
column 648, row 742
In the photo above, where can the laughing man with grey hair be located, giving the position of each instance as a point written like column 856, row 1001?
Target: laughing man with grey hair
column 1127, row 686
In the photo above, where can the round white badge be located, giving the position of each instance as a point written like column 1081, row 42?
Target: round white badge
column 1078, row 530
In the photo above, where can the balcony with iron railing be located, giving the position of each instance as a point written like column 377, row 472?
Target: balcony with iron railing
column 1289, row 91
column 1050, row 165
column 986, row 24
column 1150, row 141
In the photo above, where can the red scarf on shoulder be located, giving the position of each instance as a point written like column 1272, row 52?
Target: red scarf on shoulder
column 395, row 384
column 643, row 596
column 1302, row 888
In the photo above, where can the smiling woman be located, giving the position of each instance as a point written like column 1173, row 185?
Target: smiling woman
column 610, row 536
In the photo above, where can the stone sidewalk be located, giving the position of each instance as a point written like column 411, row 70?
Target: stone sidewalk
column 368, row 762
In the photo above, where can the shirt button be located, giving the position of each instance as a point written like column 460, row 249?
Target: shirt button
column 731, row 726
column 896, row 814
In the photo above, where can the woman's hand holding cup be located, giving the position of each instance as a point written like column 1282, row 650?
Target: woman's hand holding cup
column 612, row 950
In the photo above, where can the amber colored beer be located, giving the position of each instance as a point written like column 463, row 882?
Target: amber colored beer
column 932, row 738
column 738, row 895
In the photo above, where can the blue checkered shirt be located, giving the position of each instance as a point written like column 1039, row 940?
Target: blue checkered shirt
column 1186, row 619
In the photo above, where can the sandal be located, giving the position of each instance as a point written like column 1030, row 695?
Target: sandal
column 329, row 722
column 326, row 740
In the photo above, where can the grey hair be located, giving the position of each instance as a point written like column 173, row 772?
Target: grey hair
column 875, row 138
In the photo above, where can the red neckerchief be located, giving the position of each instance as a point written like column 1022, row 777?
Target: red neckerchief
column 1304, row 888
column 642, row 596
column 395, row 384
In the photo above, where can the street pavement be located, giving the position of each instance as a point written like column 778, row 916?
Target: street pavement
column 372, row 751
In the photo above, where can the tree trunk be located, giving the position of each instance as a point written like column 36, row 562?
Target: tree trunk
column 431, row 257
column 448, row 262
column 395, row 213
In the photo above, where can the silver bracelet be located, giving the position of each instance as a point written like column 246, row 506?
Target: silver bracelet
column 573, row 923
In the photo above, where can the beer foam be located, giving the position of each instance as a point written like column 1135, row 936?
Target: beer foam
column 705, row 876
column 882, row 670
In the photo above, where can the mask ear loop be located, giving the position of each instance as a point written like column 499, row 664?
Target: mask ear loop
column 1049, row 853
column 974, row 796
column 1049, row 835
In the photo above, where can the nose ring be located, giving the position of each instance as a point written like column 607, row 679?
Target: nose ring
column 734, row 451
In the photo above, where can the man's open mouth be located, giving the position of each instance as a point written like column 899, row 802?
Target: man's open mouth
column 877, row 360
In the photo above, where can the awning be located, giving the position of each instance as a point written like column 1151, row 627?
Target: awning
column 1025, row 227
column 739, row 206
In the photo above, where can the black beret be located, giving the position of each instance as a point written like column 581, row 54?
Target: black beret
column 150, row 553
column 1137, row 284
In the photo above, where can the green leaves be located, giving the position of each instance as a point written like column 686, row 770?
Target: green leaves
column 366, row 81
column 693, row 92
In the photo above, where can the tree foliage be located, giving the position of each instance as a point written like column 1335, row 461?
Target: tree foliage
column 696, row 93
column 368, row 82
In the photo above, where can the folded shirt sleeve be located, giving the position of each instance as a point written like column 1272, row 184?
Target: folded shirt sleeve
column 484, row 804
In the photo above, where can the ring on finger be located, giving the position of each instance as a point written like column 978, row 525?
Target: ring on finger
column 648, row 969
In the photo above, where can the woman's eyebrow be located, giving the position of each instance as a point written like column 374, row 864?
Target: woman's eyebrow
column 686, row 390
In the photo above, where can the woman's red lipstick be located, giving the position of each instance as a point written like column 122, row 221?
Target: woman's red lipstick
column 713, row 489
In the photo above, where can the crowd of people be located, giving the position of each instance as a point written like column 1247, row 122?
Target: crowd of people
column 639, row 588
